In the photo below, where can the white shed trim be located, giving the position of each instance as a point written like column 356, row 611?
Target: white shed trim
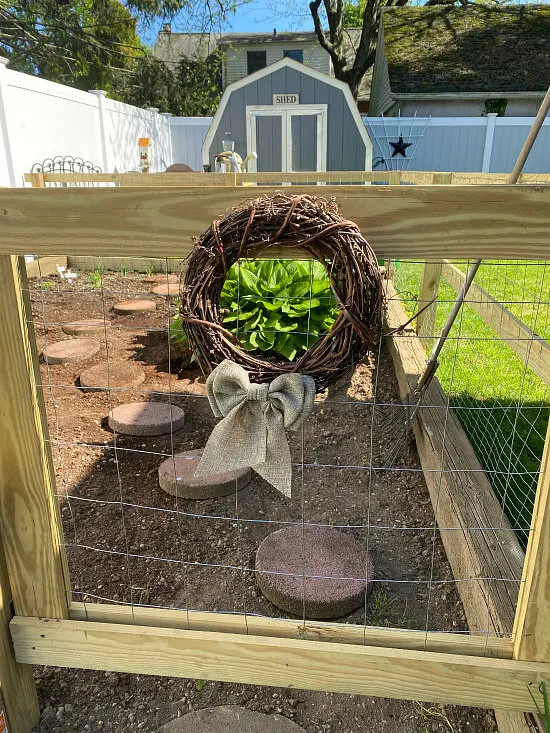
column 266, row 71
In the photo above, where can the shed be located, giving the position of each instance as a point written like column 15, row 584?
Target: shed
column 295, row 118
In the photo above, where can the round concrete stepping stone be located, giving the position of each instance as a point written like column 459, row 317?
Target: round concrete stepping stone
column 159, row 279
column 146, row 418
column 126, row 374
column 230, row 719
column 316, row 551
column 170, row 289
column 127, row 307
column 81, row 328
column 65, row 352
column 177, row 477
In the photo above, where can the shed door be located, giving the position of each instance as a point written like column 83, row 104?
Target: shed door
column 269, row 135
column 287, row 139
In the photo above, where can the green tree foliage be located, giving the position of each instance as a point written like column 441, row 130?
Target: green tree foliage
column 88, row 44
column 94, row 44
column 192, row 90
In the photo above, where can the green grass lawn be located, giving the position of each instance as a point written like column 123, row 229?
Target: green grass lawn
column 503, row 406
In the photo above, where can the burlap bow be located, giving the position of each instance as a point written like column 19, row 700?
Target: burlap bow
column 252, row 432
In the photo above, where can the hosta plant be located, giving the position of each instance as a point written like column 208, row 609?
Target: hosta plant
column 280, row 306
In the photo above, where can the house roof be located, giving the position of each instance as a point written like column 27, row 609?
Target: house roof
column 467, row 49
column 294, row 37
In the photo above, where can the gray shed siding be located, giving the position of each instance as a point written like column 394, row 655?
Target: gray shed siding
column 345, row 147
column 380, row 95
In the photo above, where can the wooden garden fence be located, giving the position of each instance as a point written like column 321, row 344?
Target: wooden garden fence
column 423, row 178
column 495, row 670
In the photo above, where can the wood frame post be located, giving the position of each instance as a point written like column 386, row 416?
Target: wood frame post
column 532, row 622
column 37, row 180
column 429, row 289
column 30, row 525
column 18, row 698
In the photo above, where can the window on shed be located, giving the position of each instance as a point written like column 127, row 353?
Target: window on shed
column 294, row 53
column 255, row 61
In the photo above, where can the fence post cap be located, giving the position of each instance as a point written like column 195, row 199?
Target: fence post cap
column 98, row 92
column 3, row 62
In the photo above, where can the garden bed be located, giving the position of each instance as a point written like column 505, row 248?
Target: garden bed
column 129, row 542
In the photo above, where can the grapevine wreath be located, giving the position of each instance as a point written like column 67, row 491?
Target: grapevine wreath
column 313, row 225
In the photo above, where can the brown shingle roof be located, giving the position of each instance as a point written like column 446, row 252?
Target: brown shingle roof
column 468, row 49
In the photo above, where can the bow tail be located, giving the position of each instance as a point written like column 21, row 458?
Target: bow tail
column 230, row 447
column 277, row 467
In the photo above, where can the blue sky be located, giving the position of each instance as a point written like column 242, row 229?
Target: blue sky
column 255, row 16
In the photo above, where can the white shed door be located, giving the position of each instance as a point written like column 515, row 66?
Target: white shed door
column 289, row 139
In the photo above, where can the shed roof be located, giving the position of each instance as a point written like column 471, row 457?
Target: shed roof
column 467, row 49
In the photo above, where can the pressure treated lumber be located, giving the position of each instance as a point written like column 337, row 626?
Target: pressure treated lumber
column 428, row 222
column 39, row 180
column 429, row 289
column 532, row 626
column 29, row 518
column 312, row 665
column 282, row 628
column 462, row 496
column 17, row 688
column 530, row 348
column 45, row 266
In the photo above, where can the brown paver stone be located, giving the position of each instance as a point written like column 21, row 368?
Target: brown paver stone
column 116, row 375
column 230, row 719
column 146, row 418
column 65, row 352
column 127, row 307
column 177, row 477
column 339, row 561
column 171, row 289
column 81, row 328
column 160, row 278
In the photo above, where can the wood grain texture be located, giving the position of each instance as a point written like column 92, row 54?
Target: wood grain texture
column 292, row 629
column 530, row 348
column 428, row 222
column 29, row 516
column 312, row 665
column 17, row 687
column 242, row 179
column 133, row 179
column 532, row 627
column 486, row 546
column 429, row 289
column 46, row 266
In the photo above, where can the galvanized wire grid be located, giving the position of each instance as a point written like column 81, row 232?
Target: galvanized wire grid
column 130, row 543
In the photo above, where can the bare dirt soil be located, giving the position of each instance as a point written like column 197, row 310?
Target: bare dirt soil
column 129, row 542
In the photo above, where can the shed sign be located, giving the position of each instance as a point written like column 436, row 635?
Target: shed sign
column 286, row 99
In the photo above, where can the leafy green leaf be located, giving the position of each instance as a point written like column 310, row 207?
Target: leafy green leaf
column 278, row 305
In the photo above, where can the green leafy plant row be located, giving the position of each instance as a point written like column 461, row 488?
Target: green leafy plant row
column 280, row 306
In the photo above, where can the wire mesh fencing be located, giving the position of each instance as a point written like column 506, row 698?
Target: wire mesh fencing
column 131, row 543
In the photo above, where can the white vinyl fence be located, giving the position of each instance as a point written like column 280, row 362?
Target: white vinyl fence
column 40, row 119
column 457, row 144
column 188, row 135
column 454, row 144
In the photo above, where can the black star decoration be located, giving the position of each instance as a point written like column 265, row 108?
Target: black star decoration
column 400, row 147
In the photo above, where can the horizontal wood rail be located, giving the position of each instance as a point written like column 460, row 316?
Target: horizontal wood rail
column 531, row 349
column 425, row 222
column 310, row 665
column 281, row 628
column 394, row 177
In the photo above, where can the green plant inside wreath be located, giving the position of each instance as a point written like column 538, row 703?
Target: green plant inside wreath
column 277, row 306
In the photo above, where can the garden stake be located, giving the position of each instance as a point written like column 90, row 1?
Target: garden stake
column 398, row 430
